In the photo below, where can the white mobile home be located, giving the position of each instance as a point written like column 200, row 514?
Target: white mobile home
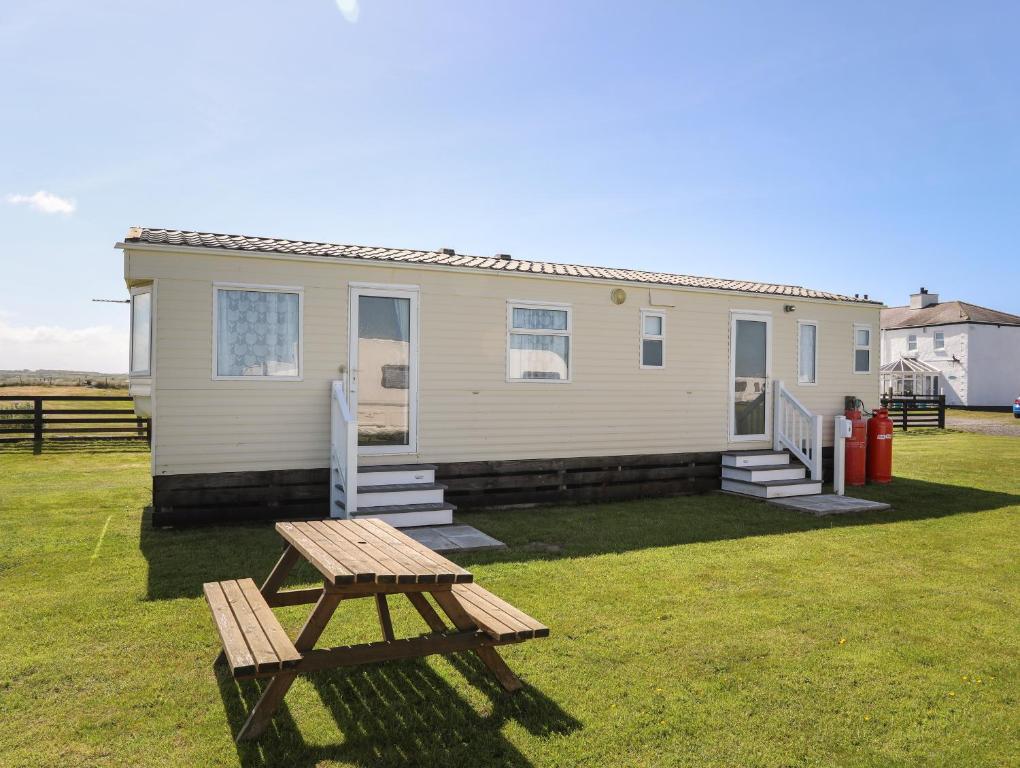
column 274, row 369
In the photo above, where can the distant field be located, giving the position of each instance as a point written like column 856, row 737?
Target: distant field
column 45, row 390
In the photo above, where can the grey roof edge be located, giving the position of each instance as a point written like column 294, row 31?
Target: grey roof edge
column 269, row 246
column 926, row 317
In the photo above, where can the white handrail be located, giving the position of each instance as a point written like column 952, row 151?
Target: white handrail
column 343, row 455
column 797, row 429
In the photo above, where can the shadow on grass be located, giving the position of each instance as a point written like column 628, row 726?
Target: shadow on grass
column 76, row 445
column 398, row 714
column 180, row 560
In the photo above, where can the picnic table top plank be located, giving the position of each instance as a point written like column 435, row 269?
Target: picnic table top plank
column 326, row 564
column 368, row 551
column 386, row 569
column 363, row 568
column 445, row 567
column 427, row 570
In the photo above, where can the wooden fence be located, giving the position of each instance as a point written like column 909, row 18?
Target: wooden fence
column 57, row 417
column 909, row 411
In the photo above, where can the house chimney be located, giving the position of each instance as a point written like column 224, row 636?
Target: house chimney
column 923, row 299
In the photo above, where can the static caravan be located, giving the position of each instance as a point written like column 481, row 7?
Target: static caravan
column 294, row 379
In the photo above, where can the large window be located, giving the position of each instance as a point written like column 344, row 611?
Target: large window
column 653, row 339
column 257, row 332
column 862, row 348
column 141, row 331
column 807, row 352
column 538, row 343
column 940, row 340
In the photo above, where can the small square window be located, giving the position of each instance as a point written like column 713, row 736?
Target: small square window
column 258, row 333
column 653, row 339
column 862, row 349
column 538, row 343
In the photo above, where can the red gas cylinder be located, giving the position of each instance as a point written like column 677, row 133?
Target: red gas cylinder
column 880, row 432
column 856, row 448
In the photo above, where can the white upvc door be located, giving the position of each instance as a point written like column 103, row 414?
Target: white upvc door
column 750, row 390
column 383, row 367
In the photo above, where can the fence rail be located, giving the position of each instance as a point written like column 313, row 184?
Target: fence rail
column 914, row 411
column 41, row 417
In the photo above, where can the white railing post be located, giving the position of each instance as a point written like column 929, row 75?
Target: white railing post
column 777, row 417
column 816, row 449
column 343, row 454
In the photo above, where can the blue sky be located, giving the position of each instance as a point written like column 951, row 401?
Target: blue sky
column 856, row 147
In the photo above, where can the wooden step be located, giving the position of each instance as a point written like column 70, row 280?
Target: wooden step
column 408, row 515
column 403, row 493
column 773, row 489
column 396, row 474
column 254, row 642
column 757, row 474
column 759, row 458
column 496, row 617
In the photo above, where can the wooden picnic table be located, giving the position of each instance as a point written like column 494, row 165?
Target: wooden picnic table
column 363, row 558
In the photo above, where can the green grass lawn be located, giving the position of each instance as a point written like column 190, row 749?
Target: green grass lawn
column 704, row 631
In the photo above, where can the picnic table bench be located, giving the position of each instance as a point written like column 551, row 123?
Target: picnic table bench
column 363, row 558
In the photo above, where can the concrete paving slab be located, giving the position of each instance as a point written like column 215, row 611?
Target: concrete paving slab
column 451, row 539
column 829, row 504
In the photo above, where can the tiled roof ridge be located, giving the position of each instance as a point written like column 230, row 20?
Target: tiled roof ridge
column 225, row 241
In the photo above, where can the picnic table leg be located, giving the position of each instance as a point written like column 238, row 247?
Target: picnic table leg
column 385, row 621
column 278, row 686
column 489, row 656
column 273, row 582
column 424, row 607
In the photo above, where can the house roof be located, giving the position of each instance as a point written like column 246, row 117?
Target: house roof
column 908, row 365
column 505, row 264
column 944, row 313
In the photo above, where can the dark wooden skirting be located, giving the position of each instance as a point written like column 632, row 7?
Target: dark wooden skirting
column 285, row 494
column 476, row 484
column 304, row 493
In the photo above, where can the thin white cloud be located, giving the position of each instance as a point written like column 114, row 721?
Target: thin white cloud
column 100, row 348
column 44, row 202
column 350, row 9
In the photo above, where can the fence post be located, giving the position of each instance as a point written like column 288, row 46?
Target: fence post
column 37, row 424
column 942, row 411
column 904, row 412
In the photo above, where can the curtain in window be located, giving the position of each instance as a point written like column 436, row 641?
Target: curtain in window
column 540, row 319
column 539, row 357
column 807, row 354
column 257, row 333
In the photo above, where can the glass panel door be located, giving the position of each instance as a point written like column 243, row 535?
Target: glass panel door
column 749, row 355
column 383, row 369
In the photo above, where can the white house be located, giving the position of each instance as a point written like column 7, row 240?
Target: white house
column 969, row 353
column 279, row 372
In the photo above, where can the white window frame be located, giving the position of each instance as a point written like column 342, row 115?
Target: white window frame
column 131, row 343
column 855, row 347
column 300, row 291
column 569, row 333
column 911, row 342
column 935, row 340
column 643, row 336
column 800, row 374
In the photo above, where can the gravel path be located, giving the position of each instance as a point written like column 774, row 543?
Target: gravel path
column 1008, row 425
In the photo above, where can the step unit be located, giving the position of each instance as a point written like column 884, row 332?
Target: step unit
column 763, row 458
column 764, row 472
column 766, row 475
column 773, row 489
column 403, row 495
